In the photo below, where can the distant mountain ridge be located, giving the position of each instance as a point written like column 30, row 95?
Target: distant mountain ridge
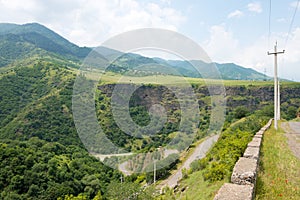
column 228, row 71
column 22, row 41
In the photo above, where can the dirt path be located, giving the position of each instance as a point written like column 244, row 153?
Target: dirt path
column 198, row 153
column 292, row 130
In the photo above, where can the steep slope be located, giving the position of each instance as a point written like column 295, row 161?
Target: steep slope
column 36, row 101
column 22, row 41
column 41, row 154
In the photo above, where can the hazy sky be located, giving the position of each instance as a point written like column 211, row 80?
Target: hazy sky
column 228, row 30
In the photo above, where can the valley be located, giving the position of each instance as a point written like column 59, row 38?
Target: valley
column 187, row 130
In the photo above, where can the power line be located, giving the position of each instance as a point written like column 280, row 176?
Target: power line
column 292, row 22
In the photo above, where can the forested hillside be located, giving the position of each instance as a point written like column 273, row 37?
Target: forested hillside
column 23, row 41
column 18, row 42
column 41, row 154
column 37, row 169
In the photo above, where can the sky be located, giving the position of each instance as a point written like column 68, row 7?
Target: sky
column 234, row 31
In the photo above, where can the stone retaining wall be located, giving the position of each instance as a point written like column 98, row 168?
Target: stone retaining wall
column 243, row 178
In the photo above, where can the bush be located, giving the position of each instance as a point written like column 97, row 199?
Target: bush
column 240, row 112
column 231, row 144
column 291, row 113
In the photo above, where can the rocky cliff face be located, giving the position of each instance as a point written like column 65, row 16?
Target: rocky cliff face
column 252, row 97
column 256, row 96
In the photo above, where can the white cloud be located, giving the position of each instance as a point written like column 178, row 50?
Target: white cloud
column 223, row 47
column 293, row 43
column 166, row 2
column 294, row 4
column 282, row 20
column 254, row 7
column 236, row 13
column 221, row 44
column 90, row 22
column 18, row 4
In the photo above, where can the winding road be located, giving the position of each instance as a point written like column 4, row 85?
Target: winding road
column 172, row 181
column 103, row 156
column 199, row 152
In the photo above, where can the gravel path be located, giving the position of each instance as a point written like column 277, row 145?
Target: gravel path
column 292, row 130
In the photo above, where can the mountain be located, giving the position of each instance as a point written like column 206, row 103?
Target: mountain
column 18, row 42
column 137, row 65
column 43, row 157
column 232, row 71
column 227, row 71
column 22, row 41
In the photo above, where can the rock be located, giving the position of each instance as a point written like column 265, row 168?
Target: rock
column 260, row 133
column 244, row 172
column 252, row 152
column 263, row 129
column 231, row 191
column 254, row 144
column 256, row 139
column 257, row 136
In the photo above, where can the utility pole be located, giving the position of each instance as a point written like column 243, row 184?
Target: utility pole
column 278, row 105
column 276, row 88
column 154, row 173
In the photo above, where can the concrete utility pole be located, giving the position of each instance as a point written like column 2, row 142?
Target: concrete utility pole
column 154, row 172
column 276, row 87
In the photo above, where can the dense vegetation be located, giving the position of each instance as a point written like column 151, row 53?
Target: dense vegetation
column 220, row 160
column 36, row 101
column 41, row 155
column 206, row 175
column 23, row 41
column 36, row 111
column 140, row 102
column 36, row 169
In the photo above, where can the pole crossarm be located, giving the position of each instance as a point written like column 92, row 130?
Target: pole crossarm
column 279, row 52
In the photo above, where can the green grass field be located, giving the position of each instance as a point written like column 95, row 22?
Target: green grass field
column 110, row 77
column 279, row 176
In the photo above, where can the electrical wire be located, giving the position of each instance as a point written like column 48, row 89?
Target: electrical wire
column 292, row 22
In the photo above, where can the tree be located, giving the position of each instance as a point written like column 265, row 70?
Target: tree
column 98, row 196
column 291, row 112
column 125, row 190
column 240, row 112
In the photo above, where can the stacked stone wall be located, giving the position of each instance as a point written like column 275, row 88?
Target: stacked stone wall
column 244, row 175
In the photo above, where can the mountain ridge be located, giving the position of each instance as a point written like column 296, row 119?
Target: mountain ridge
column 23, row 41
